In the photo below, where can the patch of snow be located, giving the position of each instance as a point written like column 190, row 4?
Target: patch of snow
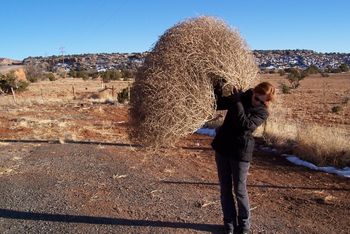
column 207, row 131
column 295, row 160
column 267, row 149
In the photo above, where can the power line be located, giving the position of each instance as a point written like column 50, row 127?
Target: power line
column 63, row 65
column 62, row 51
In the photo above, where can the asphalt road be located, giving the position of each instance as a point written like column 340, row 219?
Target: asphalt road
column 82, row 188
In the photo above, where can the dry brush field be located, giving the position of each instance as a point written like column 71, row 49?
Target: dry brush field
column 313, row 101
column 77, row 110
column 313, row 121
column 64, row 110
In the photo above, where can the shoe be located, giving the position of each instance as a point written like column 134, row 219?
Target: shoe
column 244, row 231
column 228, row 228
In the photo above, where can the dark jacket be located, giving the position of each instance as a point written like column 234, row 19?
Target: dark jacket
column 234, row 138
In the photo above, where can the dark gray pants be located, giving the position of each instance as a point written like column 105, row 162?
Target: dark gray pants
column 231, row 172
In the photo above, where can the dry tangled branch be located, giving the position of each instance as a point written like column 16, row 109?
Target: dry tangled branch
column 172, row 95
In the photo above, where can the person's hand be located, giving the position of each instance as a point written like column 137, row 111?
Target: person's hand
column 237, row 96
column 234, row 90
column 218, row 90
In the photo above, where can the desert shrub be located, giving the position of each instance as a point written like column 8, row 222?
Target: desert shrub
column 328, row 69
column 72, row 73
column 116, row 74
column 281, row 72
column 344, row 67
column 336, row 109
column 123, row 96
column 33, row 72
column 107, row 76
column 172, row 95
column 323, row 74
column 50, row 76
column 341, row 68
column 21, row 85
column 345, row 100
column 95, row 75
column 9, row 81
column 294, row 77
column 285, row 88
column 126, row 74
column 61, row 72
column 82, row 74
column 288, row 70
column 336, row 70
column 294, row 81
column 312, row 70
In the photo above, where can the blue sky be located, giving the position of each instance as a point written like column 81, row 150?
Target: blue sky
column 41, row 27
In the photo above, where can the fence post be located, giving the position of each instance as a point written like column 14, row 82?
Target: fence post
column 73, row 91
column 112, row 91
column 13, row 95
column 128, row 92
column 41, row 93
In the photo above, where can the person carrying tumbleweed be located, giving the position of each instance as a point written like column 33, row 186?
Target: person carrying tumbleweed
column 234, row 145
column 172, row 96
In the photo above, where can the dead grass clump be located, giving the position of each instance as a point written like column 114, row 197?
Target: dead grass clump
column 20, row 74
column 102, row 94
column 318, row 144
column 172, row 95
column 323, row 145
column 281, row 135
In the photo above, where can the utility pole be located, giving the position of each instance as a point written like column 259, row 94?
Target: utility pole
column 64, row 67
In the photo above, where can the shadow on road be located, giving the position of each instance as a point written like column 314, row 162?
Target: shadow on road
column 257, row 186
column 69, row 142
column 298, row 187
column 91, row 143
column 24, row 215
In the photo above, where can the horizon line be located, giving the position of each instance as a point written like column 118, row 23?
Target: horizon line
column 134, row 52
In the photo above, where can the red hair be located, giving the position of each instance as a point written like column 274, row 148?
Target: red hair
column 265, row 88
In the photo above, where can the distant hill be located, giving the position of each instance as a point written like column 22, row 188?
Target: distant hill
column 7, row 62
column 266, row 59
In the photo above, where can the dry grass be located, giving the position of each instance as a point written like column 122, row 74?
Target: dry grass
column 173, row 92
column 318, row 144
column 61, row 91
column 322, row 145
column 49, row 111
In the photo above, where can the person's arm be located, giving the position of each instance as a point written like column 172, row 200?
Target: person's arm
column 252, row 121
column 224, row 103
